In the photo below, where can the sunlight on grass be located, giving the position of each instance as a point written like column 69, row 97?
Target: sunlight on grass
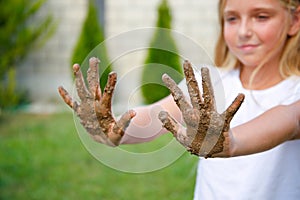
column 42, row 157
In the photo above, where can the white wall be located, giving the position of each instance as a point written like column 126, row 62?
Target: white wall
column 47, row 68
column 194, row 23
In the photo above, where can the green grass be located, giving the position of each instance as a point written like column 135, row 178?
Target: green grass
column 42, row 157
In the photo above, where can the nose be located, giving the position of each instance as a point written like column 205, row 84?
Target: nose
column 245, row 29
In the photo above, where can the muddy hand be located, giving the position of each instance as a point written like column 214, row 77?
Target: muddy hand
column 203, row 134
column 94, row 110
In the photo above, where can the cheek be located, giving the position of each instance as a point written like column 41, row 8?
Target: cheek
column 264, row 32
column 229, row 36
column 271, row 33
column 270, row 37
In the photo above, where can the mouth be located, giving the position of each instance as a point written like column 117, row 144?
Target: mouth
column 248, row 47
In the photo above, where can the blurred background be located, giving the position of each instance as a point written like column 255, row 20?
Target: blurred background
column 41, row 156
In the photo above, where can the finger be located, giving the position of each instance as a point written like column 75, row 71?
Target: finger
column 171, row 124
column 178, row 131
column 103, row 107
column 93, row 76
column 80, row 84
column 125, row 119
column 208, row 92
column 98, row 93
column 109, row 90
column 65, row 96
column 176, row 93
column 192, row 85
column 120, row 127
column 232, row 109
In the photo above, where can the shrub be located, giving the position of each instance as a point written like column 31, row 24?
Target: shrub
column 9, row 95
column 162, row 58
column 91, row 36
column 17, row 36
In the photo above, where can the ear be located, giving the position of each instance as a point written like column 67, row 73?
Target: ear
column 295, row 25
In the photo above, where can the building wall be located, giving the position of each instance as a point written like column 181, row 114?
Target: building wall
column 195, row 29
column 48, row 67
column 127, row 22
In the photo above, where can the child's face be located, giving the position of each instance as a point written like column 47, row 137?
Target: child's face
column 252, row 29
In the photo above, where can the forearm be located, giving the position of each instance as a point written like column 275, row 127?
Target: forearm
column 268, row 130
column 146, row 126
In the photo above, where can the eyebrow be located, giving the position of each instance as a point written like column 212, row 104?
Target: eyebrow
column 258, row 9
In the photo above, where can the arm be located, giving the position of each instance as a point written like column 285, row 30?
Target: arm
column 146, row 126
column 95, row 112
column 144, row 123
column 270, row 129
column 275, row 126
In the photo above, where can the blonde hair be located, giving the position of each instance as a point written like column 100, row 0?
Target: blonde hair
column 290, row 58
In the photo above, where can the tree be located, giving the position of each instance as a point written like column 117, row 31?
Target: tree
column 162, row 58
column 91, row 36
column 18, row 35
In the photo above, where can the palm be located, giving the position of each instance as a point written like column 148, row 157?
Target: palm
column 94, row 110
column 203, row 135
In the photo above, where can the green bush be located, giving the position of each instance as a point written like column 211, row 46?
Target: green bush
column 9, row 94
column 91, row 36
column 18, row 34
column 162, row 58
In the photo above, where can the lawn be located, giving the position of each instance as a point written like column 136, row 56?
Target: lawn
column 42, row 157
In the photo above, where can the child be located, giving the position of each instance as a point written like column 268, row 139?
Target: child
column 259, row 42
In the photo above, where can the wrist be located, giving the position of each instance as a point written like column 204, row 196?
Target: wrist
column 232, row 144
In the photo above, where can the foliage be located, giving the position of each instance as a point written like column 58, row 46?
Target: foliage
column 18, row 34
column 8, row 96
column 92, row 35
column 162, row 58
column 38, row 160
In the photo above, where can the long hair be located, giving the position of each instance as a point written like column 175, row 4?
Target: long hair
column 290, row 57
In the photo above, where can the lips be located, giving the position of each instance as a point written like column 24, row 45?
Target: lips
column 247, row 47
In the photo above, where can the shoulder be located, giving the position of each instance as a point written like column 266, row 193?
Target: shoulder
column 230, row 75
column 294, row 82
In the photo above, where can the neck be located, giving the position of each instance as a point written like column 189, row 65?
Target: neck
column 266, row 77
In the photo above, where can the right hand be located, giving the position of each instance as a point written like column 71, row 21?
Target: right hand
column 94, row 110
column 207, row 131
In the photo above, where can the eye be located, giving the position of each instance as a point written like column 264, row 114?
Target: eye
column 262, row 17
column 230, row 19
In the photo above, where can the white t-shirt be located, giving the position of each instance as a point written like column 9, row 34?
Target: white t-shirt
column 270, row 175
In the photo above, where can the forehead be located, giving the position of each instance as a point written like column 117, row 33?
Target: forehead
column 246, row 5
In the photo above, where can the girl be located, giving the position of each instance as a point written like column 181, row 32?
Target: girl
column 260, row 40
column 259, row 45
